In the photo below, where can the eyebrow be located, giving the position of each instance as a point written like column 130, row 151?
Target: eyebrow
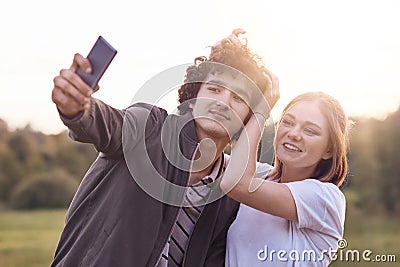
column 306, row 122
column 239, row 91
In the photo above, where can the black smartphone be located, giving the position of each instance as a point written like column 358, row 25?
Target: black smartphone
column 100, row 57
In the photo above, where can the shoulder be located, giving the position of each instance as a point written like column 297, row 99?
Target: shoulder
column 311, row 190
column 262, row 168
column 318, row 204
column 324, row 189
column 144, row 114
column 146, row 108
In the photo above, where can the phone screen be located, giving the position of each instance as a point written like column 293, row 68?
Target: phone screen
column 100, row 57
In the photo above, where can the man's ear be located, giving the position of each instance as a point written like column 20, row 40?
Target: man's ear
column 191, row 103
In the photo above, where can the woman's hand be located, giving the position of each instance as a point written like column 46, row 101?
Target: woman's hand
column 271, row 95
column 242, row 166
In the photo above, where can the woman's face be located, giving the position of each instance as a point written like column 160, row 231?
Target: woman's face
column 302, row 138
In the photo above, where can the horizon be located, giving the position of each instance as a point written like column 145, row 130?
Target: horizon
column 275, row 115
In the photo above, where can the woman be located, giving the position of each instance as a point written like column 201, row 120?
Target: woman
column 294, row 215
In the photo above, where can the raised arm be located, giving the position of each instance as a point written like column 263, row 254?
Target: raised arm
column 89, row 120
column 239, row 180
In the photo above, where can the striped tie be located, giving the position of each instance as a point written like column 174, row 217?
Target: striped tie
column 187, row 218
column 194, row 202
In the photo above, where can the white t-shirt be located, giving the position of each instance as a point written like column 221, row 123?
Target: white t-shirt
column 257, row 238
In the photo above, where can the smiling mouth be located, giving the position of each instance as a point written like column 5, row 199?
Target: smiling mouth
column 292, row 147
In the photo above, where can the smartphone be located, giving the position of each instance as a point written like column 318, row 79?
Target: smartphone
column 100, row 57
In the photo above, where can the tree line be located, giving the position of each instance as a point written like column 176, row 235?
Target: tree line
column 38, row 170
column 375, row 165
column 44, row 171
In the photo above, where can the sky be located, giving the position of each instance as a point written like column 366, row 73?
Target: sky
column 346, row 48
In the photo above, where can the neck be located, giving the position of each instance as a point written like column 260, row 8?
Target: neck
column 296, row 174
column 207, row 154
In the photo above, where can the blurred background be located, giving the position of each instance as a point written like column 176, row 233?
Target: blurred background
column 349, row 49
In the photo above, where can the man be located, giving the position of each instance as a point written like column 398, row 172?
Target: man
column 152, row 197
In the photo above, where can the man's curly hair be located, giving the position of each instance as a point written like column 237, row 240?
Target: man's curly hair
column 234, row 54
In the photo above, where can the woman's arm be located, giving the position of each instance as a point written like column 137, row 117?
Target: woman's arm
column 239, row 181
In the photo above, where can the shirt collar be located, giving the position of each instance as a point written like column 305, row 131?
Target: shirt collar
column 215, row 172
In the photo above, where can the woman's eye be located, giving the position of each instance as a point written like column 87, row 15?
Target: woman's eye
column 287, row 122
column 309, row 131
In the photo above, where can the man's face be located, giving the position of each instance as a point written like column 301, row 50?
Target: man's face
column 220, row 106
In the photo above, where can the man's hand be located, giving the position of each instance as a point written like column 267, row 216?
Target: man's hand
column 70, row 94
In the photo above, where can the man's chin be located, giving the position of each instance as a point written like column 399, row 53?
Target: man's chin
column 215, row 129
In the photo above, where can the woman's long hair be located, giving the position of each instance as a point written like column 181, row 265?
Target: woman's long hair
column 334, row 169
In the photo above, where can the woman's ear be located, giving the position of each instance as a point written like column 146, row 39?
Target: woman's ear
column 328, row 154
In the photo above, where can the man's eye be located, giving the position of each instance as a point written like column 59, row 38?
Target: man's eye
column 238, row 98
column 214, row 89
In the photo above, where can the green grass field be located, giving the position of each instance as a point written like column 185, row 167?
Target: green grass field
column 29, row 238
column 379, row 236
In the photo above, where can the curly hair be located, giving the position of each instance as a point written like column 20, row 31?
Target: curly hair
column 236, row 55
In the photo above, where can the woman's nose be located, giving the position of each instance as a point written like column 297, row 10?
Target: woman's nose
column 295, row 133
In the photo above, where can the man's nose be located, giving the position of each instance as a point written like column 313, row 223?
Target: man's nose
column 225, row 98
